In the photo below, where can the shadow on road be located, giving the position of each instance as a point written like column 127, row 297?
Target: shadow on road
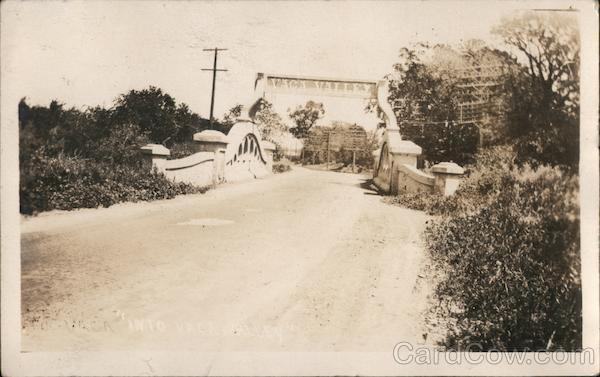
column 369, row 187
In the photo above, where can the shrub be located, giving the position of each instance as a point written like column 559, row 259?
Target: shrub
column 507, row 246
column 281, row 166
column 66, row 183
column 511, row 270
column 183, row 149
column 120, row 146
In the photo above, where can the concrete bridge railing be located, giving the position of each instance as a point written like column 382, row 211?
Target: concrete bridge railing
column 239, row 155
column 396, row 171
column 395, row 168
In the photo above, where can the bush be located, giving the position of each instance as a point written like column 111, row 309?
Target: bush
column 69, row 158
column 66, row 183
column 512, row 270
column 281, row 166
column 507, row 246
column 183, row 149
column 555, row 144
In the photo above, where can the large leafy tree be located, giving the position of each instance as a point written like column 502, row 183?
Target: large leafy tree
column 269, row 122
column 548, row 43
column 427, row 87
column 422, row 86
column 54, row 128
column 112, row 135
column 305, row 117
column 429, row 82
column 545, row 106
column 157, row 114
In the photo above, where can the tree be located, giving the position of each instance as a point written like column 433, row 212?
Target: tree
column 305, row 117
column 54, row 128
column 229, row 119
column 231, row 116
column 422, row 87
column 188, row 123
column 152, row 110
column 427, row 87
column 270, row 125
column 544, row 112
column 549, row 42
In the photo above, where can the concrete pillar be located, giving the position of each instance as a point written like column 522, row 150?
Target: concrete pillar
column 269, row 149
column 402, row 152
column 405, row 152
column 215, row 142
column 210, row 141
column 155, row 156
column 447, row 177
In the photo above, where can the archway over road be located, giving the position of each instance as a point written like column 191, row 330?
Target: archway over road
column 391, row 141
column 267, row 85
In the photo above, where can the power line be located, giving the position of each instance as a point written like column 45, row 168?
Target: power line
column 214, row 71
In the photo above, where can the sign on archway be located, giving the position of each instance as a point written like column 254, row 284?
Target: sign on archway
column 267, row 84
column 287, row 84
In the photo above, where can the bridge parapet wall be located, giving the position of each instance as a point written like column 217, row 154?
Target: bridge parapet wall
column 411, row 179
column 237, row 156
column 395, row 169
column 203, row 168
column 198, row 169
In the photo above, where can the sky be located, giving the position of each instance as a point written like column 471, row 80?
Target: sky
column 86, row 53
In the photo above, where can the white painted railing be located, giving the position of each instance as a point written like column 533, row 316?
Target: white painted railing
column 236, row 156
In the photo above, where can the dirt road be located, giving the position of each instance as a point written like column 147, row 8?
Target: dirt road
column 301, row 261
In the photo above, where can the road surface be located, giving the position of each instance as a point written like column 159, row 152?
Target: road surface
column 301, row 261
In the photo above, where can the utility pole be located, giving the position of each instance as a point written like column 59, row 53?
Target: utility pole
column 214, row 71
column 328, row 137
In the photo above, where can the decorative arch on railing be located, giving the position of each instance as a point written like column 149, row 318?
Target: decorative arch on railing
column 248, row 150
column 246, row 156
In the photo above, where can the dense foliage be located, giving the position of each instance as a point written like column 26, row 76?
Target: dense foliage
column 544, row 107
column 66, row 182
column 71, row 158
column 507, row 246
column 271, row 126
column 530, row 96
column 481, row 183
column 427, row 90
column 445, row 141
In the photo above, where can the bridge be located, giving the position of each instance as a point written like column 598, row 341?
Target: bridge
column 242, row 154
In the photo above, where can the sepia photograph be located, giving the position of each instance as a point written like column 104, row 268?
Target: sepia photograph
column 299, row 188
